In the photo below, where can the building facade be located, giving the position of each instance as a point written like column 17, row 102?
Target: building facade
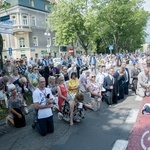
column 31, row 35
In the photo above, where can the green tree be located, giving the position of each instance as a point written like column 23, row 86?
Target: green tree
column 125, row 21
column 68, row 20
column 4, row 5
column 99, row 23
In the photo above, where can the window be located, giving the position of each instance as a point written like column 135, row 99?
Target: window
column 35, row 41
column 45, row 7
column 32, row 3
column 14, row 19
column 4, row 43
column 33, row 21
column 22, row 42
column 63, row 48
column 24, row 20
column 36, row 55
column 23, row 55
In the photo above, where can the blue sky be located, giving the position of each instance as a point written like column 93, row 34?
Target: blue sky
column 147, row 7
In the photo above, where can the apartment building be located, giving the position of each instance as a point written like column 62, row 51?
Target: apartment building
column 31, row 35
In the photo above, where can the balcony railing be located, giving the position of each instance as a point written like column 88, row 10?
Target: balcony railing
column 18, row 28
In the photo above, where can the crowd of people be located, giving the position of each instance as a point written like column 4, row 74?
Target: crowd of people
column 103, row 77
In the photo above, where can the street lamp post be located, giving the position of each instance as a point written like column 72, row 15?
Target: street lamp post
column 48, row 46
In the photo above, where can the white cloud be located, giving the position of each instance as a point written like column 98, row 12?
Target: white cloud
column 147, row 7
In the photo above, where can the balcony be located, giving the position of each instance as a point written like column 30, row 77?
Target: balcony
column 21, row 28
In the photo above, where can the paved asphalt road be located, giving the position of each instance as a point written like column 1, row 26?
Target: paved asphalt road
column 98, row 131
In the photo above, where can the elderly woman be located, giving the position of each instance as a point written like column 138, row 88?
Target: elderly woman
column 53, row 86
column 95, row 91
column 8, row 67
column 3, row 82
column 21, row 85
column 83, row 80
column 16, row 107
column 33, row 78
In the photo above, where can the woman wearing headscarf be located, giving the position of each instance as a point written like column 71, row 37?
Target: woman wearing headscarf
column 16, row 107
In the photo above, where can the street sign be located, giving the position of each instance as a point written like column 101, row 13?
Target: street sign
column 6, row 27
column 111, row 47
column 10, row 51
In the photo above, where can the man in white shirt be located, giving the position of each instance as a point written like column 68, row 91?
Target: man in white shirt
column 71, row 69
column 143, row 85
column 100, row 78
column 31, row 61
column 43, row 99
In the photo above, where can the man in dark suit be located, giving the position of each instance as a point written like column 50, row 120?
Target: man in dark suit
column 134, row 75
column 111, row 88
column 127, row 78
column 120, row 79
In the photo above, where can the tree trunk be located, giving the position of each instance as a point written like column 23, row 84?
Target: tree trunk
column 115, row 44
column 86, row 51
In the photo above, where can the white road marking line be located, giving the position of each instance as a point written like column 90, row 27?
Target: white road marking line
column 144, row 138
column 131, row 118
column 120, row 145
column 138, row 98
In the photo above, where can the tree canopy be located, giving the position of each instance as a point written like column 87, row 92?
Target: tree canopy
column 99, row 23
column 4, row 5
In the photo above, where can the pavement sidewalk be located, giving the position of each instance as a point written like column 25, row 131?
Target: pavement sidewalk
column 139, row 138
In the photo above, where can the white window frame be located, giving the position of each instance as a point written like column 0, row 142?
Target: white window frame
column 45, row 7
column 4, row 43
column 14, row 19
column 35, row 41
column 24, row 19
column 31, row 2
column 22, row 42
column 33, row 20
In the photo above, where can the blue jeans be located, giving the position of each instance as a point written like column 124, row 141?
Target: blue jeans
column 45, row 125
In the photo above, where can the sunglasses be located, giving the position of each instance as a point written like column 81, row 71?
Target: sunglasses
column 93, row 76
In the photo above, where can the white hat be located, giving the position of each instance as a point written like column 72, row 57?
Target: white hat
column 11, row 87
